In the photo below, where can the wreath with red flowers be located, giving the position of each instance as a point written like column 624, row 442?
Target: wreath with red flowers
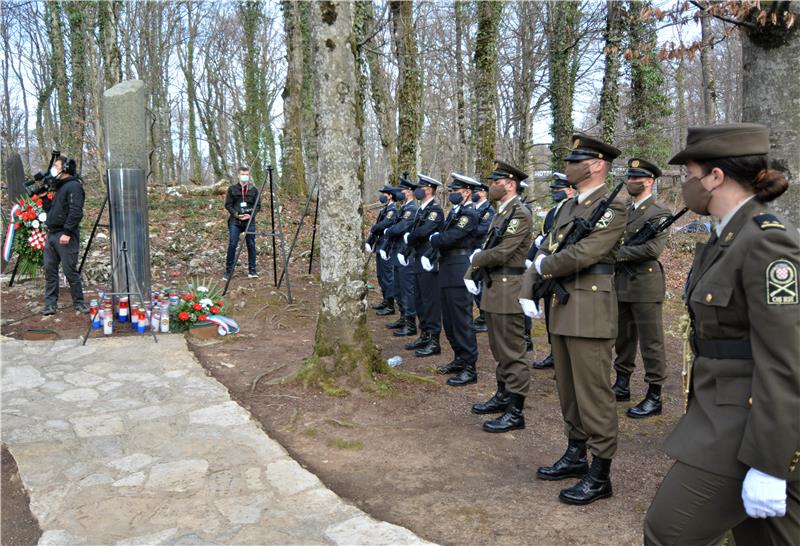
column 198, row 301
column 30, row 234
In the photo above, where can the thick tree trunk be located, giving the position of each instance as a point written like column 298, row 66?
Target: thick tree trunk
column 562, row 34
column 309, row 118
column 58, row 65
column 77, row 15
column 108, row 13
column 771, row 96
column 250, row 17
column 294, row 178
column 409, row 95
column 609, row 95
column 489, row 14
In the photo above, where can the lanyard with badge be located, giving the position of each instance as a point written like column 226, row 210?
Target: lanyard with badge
column 245, row 188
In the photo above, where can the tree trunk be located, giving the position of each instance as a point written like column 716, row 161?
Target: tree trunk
column 294, row 179
column 309, row 118
column 489, row 14
column 706, row 66
column 461, row 108
column 78, row 16
column 771, row 96
column 108, row 13
column 250, row 17
column 562, row 34
column 609, row 95
column 58, row 65
column 343, row 346
column 680, row 104
column 195, row 165
column 409, row 96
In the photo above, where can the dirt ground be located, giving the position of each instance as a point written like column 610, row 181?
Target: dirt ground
column 416, row 456
column 19, row 527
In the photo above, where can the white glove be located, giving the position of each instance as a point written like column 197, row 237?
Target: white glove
column 384, row 256
column 538, row 263
column 385, row 230
column 538, row 241
column 402, row 259
column 472, row 256
column 405, row 237
column 529, row 308
column 528, row 264
column 472, row 288
column 764, row 496
column 367, row 248
column 426, row 263
column 432, row 235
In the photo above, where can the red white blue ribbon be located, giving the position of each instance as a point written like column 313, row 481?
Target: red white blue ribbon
column 225, row 325
column 10, row 233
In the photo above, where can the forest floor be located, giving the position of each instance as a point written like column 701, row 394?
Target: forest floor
column 415, row 455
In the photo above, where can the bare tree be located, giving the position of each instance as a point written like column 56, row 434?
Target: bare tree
column 489, row 14
column 409, row 102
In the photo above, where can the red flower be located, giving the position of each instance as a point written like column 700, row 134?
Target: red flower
column 21, row 202
column 18, row 213
column 16, row 225
column 202, row 317
column 51, row 194
column 188, row 297
column 219, row 303
column 38, row 202
column 197, row 306
column 214, row 310
column 183, row 315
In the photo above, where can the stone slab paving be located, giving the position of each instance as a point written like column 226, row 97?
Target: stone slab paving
column 125, row 441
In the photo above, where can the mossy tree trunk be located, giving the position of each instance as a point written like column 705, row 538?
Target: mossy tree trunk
column 308, row 114
column 461, row 8
column 609, row 94
column 562, row 37
column 58, row 67
column 195, row 166
column 409, row 92
column 294, row 173
column 252, row 119
column 489, row 14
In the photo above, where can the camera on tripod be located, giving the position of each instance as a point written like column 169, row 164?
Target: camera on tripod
column 245, row 209
column 43, row 181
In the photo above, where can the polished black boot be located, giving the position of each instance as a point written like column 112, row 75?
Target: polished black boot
column 547, row 362
column 467, row 376
column 386, row 310
column 419, row 342
column 528, row 342
column 621, row 387
column 431, row 348
column 572, row 464
column 651, row 405
column 396, row 325
column 409, row 327
column 496, row 404
column 384, row 303
column 479, row 324
column 454, row 366
column 596, row 484
column 512, row 419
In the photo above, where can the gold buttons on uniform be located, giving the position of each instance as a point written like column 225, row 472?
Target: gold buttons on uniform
column 709, row 297
column 594, row 288
column 560, row 235
column 650, row 269
column 504, row 279
column 750, row 401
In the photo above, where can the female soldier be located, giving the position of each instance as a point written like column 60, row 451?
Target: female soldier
column 738, row 446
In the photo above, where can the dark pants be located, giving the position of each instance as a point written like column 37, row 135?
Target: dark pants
column 456, row 306
column 694, row 507
column 234, row 231
column 67, row 255
column 385, row 278
column 428, row 301
column 404, row 289
column 508, row 349
column 641, row 322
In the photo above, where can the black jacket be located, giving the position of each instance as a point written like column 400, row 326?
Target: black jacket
column 233, row 200
column 65, row 212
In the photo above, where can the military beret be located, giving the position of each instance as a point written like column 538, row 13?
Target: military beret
column 427, row 181
column 461, row 181
column 405, row 183
column 585, row 147
column 641, row 168
column 725, row 140
column 559, row 181
column 506, row 170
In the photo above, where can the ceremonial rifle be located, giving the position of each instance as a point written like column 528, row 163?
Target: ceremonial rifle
column 649, row 231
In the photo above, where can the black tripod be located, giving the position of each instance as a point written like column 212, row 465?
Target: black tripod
column 297, row 234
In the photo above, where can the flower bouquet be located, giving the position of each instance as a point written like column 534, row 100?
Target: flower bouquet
column 27, row 234
column 199, row 300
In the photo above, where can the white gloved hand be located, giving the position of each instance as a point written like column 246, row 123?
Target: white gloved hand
column 402, row 259
column 472, row 256
column 528, row 264
column 384, row 256
column 367, row 248
column 538, row 240
column 530, row 308
column 405, row 237
column 538, row 263
column 385, row 230
column 472, row 287
column 432, row 235
column 426, row 263
column 764, row 496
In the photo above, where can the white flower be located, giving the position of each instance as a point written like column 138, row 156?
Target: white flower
column 42, row 216
column 205, row 302
column 35, row 224
column 202, row 289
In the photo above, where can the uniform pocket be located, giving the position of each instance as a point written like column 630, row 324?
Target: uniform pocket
column 594, row 283
column 714, row 295
column 733, row 391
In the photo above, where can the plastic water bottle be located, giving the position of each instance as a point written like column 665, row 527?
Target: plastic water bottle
column 395, row 361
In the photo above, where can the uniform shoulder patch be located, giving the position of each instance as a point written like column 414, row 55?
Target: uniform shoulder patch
column 433, row 215
column 486, row 215
column 513, row 226
column 782, row 283
column 390, row 214
column 768, row 221
column 606, row 219
column 407, row 214
column 463, row 221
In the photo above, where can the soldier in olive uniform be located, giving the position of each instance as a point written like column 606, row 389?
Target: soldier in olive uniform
column 639, row 280
column 386, row 217
column 582, row 330
column 486, row 213
column 737, row 449
column 503, row 259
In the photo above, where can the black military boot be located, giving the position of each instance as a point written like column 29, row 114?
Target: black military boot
column 547, row 362
column 454, row 366
column 512, row 419
column 396, row 325
column 572, row 464
column 596, row 484
column 528, row 342
column 387, row 308
column 651, row 405
column 496, row 404
column 409, row 327
column 467, row 376
column 621, row 387
column 384, row 303
column 431, row 348
column 421, row 341
column 479, row 324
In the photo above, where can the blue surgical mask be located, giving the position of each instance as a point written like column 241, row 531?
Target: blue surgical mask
column 559, row 196
column 475, row 197
column 419, row 193
column 383, row 199
column 244, row 178
column 455, row 198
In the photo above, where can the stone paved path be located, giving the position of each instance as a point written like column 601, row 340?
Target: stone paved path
column 125, row 442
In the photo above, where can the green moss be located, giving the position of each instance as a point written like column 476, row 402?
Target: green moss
column 355, row 445
column 310, row 433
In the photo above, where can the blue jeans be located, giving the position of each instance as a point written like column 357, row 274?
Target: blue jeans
column 234, row 231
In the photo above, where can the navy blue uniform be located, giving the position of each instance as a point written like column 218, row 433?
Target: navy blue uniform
column 403, row 276
column 386, row 218
column 428, row 220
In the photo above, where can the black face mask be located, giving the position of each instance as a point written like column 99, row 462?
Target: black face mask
column 559, row 196
column 475, row 197
column 455, row 198
column 383, row 199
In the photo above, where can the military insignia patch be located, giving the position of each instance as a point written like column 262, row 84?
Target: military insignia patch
column 782, row 283
column 433, row 215
column 486, row 215
column 463, row 221
column 769, row 221
column 576, row 143
column 513, row 225
column 606, row 219
column 407, row 214
column 390, row 214
column 635, row 163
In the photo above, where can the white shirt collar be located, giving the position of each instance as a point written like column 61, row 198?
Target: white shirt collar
column 479, row 204
column 583, row 195
column 503, row 206
column 425, row 204
column 727, row 218
column 640, row 201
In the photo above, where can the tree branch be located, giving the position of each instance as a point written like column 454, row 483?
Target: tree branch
column 704, row 9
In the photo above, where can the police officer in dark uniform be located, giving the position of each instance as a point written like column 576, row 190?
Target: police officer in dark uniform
column 485, row 215
column 560, row 192
column 639, row 281
column 454, row 246
column 386, row 218
column 428, row 220
column 406, row 325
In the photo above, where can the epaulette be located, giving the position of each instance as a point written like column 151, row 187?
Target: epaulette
column 768, row 221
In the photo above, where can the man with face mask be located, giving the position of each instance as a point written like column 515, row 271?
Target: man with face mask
column 583, row 328
column 486, row 213
column 454, row 244
column 386, row 217
column 503, row 257
column 240, row 202
column 403, row 275
column 640, row 293
column 560, row 192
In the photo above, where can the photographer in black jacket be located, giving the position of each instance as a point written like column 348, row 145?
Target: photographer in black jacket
column 64, row 215
column 240, row 202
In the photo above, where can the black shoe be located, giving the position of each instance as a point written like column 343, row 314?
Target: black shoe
column 479, row 324
column 572, row 464
column 621, row 387
column 377, row 306
column 596, row 484
column 81, row 307
column 512, row 419
column 543, row 364
column 496, row 404
column 49, row 310
column 409, row 328
column 467, row 376
column 419, row 342
column 528, row 343
column 431, row 348
column 454, row 366
column 651, row 405
column 399, row 323
column 385, row 311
